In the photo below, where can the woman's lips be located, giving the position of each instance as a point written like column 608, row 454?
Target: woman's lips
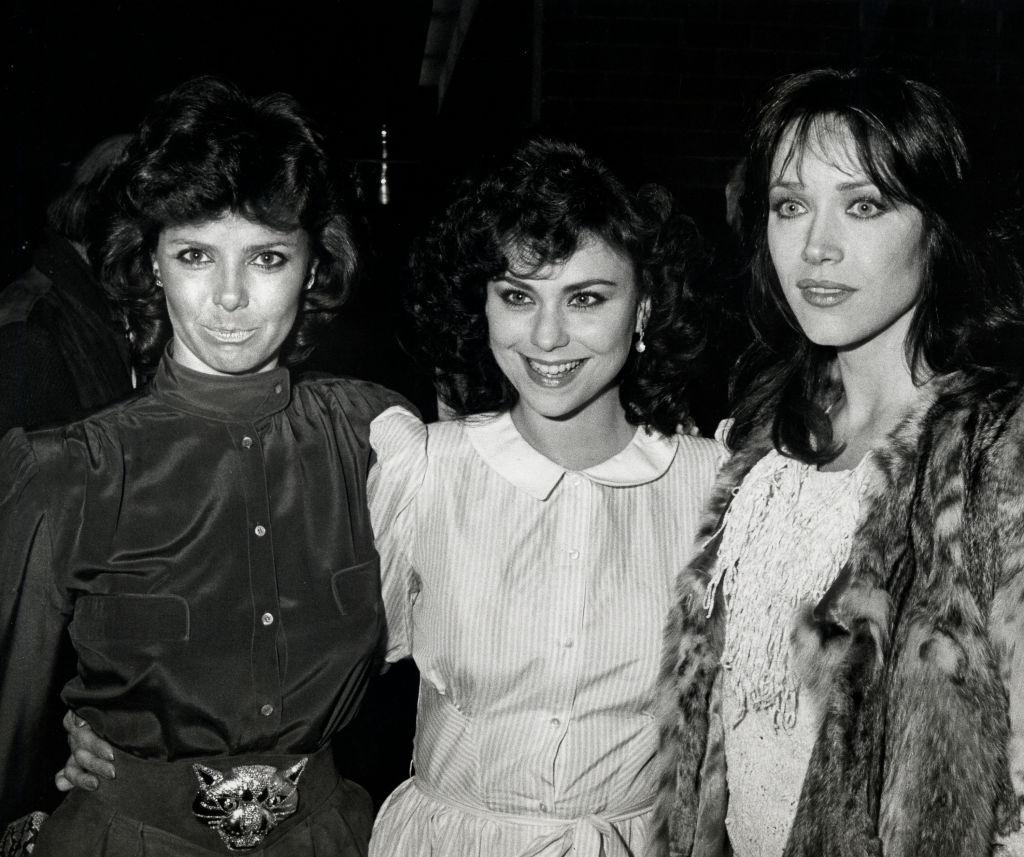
column 824, row 293
column 229, row 335
column 552, row 373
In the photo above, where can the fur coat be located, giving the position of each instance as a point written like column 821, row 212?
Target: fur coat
column 912, row 653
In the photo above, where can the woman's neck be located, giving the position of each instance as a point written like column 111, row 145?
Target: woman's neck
column 588, row 437
column 878, row 390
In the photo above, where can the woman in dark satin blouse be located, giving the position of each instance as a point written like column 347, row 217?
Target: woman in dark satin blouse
column 206, row 545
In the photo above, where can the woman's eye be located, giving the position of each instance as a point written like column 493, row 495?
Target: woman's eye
column 585, row 299
column 515, row 297
column 866, row 208
column 270, row 259
column 788, row 208
column 193, row 256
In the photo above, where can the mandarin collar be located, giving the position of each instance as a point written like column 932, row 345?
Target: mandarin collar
column 499, row 443
column 232, row 398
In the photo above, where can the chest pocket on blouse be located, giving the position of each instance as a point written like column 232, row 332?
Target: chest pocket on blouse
column 357, row 590
column 136, row 618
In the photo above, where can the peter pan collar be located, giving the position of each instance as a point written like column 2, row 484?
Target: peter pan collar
column 234, row 398
column 499, row 443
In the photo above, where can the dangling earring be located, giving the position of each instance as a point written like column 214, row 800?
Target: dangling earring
column 640, row 346
column 156, row 277
column 312, row 278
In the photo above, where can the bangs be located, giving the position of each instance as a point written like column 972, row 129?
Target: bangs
column 271, row 185
column 844, row 140
column 525, row 256
column 278, row 204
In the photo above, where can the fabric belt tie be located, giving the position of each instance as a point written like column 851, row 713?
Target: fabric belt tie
column 591, row 835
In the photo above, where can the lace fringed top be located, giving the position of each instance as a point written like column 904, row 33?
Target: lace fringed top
column 787, row 534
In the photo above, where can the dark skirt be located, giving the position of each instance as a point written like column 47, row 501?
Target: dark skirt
column 147, row 811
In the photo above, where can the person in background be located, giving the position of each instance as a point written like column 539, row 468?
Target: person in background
column 62, row 354
column 63, row 348
column 854, row 615
column 206, row 545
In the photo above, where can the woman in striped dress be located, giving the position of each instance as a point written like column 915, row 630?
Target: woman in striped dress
column 529, row 546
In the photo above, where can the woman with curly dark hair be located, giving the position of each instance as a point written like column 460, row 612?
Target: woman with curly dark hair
column 211, row 151
column 207, row 544
column 529, row 544
column 877, row 474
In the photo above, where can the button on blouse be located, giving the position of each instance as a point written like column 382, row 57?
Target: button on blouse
column 208, row 547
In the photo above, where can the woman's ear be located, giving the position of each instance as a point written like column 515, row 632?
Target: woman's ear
column 311, row 278
column 156, row 272
column 643, row 313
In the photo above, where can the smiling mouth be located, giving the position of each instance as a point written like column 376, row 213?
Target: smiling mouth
column 553, row 374
column 229, row 334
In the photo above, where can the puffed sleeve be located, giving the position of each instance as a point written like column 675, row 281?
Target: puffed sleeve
column 399, row 442
column 32, row 643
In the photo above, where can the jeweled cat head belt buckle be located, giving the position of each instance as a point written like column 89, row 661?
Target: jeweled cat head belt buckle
column 246, row 803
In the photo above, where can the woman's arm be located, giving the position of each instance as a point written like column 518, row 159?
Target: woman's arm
column 32, row 629
column 399, row 441
column 1006, row 620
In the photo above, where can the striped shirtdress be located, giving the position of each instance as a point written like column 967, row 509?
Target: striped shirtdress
column 533, row 600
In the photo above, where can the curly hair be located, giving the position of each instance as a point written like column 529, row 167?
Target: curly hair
column 204, row 149
column 909, row 143
column 535, row 209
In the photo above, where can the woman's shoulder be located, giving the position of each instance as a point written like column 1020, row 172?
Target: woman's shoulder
column 93, row 437
column 53, row 458
column 695, row 449
column 354, row 395
column 706, row 447
column 447, row 432
column 18, row 462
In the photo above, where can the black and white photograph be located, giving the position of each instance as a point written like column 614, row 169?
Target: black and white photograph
column 512, row 428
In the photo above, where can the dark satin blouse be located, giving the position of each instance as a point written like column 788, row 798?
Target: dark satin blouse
column 208, row 548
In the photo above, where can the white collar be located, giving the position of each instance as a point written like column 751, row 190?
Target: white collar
column 499, row 443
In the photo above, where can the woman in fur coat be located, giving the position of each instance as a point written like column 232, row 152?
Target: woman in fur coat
column 844, row 643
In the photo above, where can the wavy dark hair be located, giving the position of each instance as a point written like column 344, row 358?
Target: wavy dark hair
column 909, row 143
column 533, row 209
column 204, row 149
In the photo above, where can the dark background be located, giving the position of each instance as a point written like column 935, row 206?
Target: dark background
column 661, row 88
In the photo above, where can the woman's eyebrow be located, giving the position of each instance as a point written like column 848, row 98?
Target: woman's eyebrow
column 579, row 284
column 185, row 241
column 858, row 184
column 270, row 245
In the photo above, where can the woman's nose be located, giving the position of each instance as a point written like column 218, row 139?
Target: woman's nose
column 232, row 292
column 822, row 244
column 549, row 329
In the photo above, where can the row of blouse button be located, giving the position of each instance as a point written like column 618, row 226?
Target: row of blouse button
column 267, row 618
